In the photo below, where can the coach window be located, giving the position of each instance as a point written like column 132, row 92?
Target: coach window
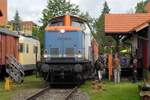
column 27, row 48
column 21, row 47
column 35, row 49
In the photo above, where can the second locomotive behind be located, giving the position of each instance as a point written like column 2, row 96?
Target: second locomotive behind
column 68, row 56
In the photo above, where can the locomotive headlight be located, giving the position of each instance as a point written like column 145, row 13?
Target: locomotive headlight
column 62, row 31
column 79, row 55
column 45, row 54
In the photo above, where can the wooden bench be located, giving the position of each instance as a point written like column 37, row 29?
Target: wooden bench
column 145, row 95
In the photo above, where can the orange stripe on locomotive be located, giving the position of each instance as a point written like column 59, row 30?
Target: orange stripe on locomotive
column 67, row 24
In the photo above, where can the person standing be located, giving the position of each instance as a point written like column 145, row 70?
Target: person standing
column 99, row 67
column 116, row 69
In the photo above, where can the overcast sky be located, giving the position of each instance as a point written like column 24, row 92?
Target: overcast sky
column 31, row 9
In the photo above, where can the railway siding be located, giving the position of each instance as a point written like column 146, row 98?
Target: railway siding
column 58, row 94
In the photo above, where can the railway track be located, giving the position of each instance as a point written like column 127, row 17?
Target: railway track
column 53, row 94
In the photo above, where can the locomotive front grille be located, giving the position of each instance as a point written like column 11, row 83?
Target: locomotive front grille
column 62, row 59
column 69, row 52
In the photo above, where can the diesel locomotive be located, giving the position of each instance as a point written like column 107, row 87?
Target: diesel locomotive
column 68, row 56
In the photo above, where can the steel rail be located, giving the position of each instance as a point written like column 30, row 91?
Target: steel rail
column 40, row 93
column 71, row 93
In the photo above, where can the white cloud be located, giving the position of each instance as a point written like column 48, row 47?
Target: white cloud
column 32, row 9
column 94, row 7
column 28, row 9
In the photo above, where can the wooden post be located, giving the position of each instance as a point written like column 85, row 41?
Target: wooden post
column 110, row 69
column 148, row 51
column 7, row 84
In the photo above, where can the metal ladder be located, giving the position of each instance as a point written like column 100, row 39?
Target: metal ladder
column 15, row 69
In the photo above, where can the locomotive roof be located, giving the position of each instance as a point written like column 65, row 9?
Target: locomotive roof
column 7, row 32
column 76, row 18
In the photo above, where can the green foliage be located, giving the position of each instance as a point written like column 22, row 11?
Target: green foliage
column 30, row 83
column 140, row 7
column 90, row 22
column 58, row 8
column 38, row 32
column 17, row 22
column 100, row 34
column 110, row 91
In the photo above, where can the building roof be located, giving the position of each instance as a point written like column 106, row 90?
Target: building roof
column 23, row 22
column 126, row 23
column 7, row 32
column 28, row 22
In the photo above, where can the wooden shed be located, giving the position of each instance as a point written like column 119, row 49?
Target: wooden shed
column 133, row 27
column 9, row 42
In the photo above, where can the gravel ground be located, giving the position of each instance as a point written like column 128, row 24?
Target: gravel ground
column 24, row 94
column 80, row 96
column 52, row 94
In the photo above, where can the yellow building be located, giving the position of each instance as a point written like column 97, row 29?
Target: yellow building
column 26, row 27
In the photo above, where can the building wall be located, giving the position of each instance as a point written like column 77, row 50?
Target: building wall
column 8, row 47
column 27, row 26
column 3, row 8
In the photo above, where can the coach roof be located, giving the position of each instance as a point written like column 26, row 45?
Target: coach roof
column 7, row 32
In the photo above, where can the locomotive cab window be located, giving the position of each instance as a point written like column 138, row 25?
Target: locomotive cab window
column 60, row 23
column 79, row 24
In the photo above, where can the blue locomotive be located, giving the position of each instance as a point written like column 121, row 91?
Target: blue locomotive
column 68, row 55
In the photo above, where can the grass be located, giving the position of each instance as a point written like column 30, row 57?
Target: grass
column 30, row 82
column 122, row 91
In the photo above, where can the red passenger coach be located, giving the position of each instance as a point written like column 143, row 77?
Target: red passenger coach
column 8, row 47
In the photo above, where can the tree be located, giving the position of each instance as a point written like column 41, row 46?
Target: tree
column 17, row 22
column 100, row 34
column 140, row 7
column 58, row 8
column 90, row 22
column 38, row 33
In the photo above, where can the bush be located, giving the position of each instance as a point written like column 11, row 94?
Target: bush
column 147, row 75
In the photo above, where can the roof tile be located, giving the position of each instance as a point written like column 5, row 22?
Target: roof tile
column 125, row 23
